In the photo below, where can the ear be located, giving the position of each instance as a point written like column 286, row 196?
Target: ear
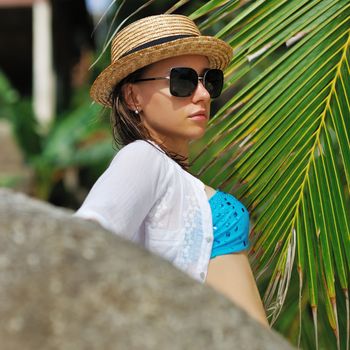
column 132, row 96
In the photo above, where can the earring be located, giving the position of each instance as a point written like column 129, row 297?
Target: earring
column 136, row 111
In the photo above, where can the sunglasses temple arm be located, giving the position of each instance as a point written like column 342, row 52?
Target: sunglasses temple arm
column 156, row 78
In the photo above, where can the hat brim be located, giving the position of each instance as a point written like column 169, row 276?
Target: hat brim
column 218, row 52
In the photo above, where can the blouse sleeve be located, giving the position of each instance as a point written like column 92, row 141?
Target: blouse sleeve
column 125, row 193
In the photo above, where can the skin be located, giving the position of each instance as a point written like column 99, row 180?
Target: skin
column 174, row 122
column 231, row 275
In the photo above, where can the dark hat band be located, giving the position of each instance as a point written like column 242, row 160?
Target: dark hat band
column 156, row 42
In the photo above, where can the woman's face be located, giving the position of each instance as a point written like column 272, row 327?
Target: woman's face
column 172, row 120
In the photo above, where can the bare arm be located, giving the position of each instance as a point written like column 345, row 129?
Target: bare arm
column 232, row 276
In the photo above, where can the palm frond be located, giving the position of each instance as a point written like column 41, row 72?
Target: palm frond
column 281, row 143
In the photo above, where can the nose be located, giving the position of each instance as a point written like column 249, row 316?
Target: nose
column 201, row 93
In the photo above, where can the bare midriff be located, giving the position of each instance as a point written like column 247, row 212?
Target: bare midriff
column 231, row 275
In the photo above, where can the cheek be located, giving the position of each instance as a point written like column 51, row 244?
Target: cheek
column 161, row 107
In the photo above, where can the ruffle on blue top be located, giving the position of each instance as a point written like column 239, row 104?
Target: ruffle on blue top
column 230, row 224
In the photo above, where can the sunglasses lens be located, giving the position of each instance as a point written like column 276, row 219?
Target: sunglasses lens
column 213, row 82
column 183, row 81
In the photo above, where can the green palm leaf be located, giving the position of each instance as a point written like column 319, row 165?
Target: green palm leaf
column 281, row 144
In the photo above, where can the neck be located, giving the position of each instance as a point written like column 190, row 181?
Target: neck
column 178, row 151
column 180, row 147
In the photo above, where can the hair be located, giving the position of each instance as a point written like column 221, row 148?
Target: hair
column 127, row 125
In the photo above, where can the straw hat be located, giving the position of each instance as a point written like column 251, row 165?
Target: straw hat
column 152, row 39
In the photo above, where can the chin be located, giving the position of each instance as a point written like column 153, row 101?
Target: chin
column 197, row 135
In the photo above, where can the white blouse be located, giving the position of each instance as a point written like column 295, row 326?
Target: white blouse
column 146, row 197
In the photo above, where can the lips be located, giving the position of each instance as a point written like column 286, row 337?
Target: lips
column 199, row 115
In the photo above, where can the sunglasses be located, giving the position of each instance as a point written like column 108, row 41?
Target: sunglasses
column 184, row 81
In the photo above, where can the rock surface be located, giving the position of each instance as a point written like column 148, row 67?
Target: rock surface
column 68, row 284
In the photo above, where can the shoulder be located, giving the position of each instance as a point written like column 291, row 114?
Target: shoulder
column 209, row 191
column 141, row 148
column 140, row 154
column 141, row 160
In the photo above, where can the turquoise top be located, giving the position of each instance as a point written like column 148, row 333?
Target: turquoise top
column 230, row 224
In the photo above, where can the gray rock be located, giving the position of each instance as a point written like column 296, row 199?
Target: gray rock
column 66, row 283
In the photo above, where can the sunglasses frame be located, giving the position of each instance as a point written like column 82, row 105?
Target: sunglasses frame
column 199, row 78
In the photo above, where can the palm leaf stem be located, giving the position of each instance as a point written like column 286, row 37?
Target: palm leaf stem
column 278, row 32
column 258, row 108
column 300, row 274
column 344, row 147
column 305, row 224
column 107, row 43
column 220, row 14
column 245, row 13
column 210, row 6
column 176, row 6
column 273, row 68
column 263, row 91
column 307, row 25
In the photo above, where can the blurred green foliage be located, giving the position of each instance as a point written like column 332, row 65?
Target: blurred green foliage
column 78, row 143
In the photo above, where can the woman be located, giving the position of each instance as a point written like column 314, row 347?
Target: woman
column 159, row 85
